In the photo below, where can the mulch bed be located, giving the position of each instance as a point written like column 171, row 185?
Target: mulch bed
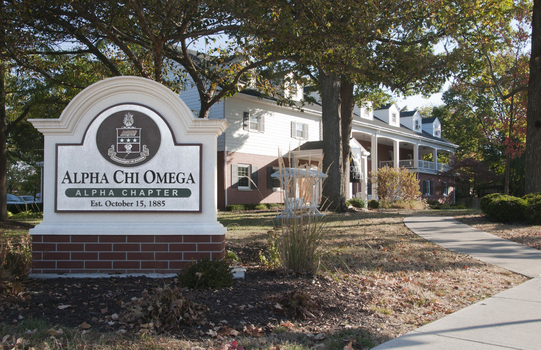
column 254, row 305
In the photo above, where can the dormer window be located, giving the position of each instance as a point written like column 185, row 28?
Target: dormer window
column 417, row 125
column 437, row 132
column 393, row 118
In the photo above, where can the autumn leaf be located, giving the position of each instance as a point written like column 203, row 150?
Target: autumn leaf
column 55, row 333
column 349, row 346
column 85, row 325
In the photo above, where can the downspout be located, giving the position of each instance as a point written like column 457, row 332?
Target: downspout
column 225, row 160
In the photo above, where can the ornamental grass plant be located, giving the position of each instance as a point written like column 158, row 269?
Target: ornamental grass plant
column 301, row 230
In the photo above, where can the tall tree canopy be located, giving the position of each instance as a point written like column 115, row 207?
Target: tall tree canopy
column 380, row 43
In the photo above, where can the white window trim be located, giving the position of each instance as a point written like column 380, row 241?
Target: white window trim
column 294, row 130
column 246, row 118
column 244, row 188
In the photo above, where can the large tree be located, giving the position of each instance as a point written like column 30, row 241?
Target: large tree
column 380, row 43
column 488, row 97
column 533, row 135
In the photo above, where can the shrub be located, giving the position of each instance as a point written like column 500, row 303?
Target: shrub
column 164, row 309
column 15, row 263
column 531, row 195
column 206, row 274
column 357, row 202
column 373, row 204
column 235, row 207
column 27, row 215
column 533, row 209
column 396, row 184
column 505, row 208
column 261, row 207
column 487, row 199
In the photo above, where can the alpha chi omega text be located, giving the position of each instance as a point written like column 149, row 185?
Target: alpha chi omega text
column 137, row 166
column 130, row 184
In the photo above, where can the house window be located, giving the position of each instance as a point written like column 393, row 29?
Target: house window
column 427, row 187
column 445, row 189
column 299, row 130
column 393, row 118
column 273, row 183
column 369, row 149
column 417, row 124
column 390, row 155
column 251, row 122
column 243, row 176
column 366, row 113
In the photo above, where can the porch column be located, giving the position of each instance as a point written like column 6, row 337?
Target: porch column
column 364, row 181
column 396, row 154
column 416, row 156
column 374, row 153
column 435, row 158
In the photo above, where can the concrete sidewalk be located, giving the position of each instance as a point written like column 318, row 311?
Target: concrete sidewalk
column 508, row 320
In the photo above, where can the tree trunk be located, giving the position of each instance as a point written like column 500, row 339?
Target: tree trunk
column 533, row 132
column 3, row 136
column 346, row 113
column 332, row 197
column 3, row 147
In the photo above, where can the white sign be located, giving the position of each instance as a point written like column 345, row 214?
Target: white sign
column 128, row 161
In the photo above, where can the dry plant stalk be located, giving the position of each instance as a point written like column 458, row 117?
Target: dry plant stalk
column 303, row 231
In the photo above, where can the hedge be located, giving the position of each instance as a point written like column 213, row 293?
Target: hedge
column 505, row 208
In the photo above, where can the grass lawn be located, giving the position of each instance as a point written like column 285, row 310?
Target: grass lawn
column 386, row 280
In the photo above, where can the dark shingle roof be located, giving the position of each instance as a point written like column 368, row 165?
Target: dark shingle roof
column 428, row 120
column 407, row 113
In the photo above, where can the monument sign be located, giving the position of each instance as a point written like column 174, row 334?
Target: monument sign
column 130, row 183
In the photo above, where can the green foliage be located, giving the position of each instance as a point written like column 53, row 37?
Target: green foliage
column 357, row 202
column 373, row 204
column 15, row 263
column 486, row 200
column 533, row 208
column 506, row 208
column 206, row 274
column 252, row 206
column 396, row 184
column 162, row 310
column 231, row 256
column 26, row 215
column 273, row 259
column 235, row 207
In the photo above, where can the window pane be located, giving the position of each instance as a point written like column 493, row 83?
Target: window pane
column 254, row 124
column 243, row 173
column 299, row 128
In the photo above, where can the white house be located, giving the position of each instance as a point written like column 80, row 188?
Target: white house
column 260, row 131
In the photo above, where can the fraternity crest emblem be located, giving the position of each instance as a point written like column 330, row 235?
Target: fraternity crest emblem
column 128, row 141
column 128, row 138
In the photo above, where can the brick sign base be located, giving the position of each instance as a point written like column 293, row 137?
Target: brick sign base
column 121, row 254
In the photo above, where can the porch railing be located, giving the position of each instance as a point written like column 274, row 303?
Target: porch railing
column 421, row 165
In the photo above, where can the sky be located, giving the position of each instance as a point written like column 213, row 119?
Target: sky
column 418, row 101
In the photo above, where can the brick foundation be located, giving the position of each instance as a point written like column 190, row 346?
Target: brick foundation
column 121, row 254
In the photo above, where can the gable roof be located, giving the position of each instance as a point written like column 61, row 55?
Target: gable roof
column 429, row 120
